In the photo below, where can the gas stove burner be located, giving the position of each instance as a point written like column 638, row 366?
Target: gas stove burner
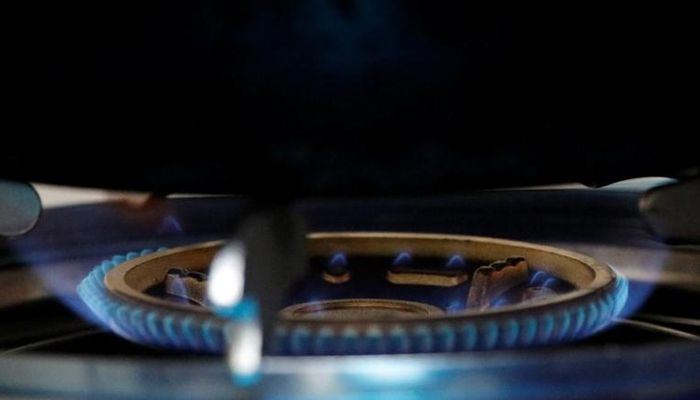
column 369, row 293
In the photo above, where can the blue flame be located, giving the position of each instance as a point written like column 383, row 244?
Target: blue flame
column 170, row 225
column 337, row 264
column 338, row 260
column 456, row 261
column 403, row 259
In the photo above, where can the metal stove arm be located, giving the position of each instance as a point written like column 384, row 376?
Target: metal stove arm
column 248, row 278
column 673, row 212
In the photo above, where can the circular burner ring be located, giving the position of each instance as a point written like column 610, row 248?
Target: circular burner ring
column 115, row 291
column 358, row 309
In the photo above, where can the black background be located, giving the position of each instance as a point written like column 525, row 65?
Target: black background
column 344, row 97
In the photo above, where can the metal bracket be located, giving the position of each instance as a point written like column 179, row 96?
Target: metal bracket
column 673, row 212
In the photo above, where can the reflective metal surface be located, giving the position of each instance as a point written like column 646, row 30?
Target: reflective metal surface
column 614, row 372
column 20, row 208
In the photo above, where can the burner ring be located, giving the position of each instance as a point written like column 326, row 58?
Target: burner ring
column 117, row 294
column 357, row 309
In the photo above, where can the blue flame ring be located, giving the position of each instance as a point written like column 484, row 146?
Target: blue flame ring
column 203, row 332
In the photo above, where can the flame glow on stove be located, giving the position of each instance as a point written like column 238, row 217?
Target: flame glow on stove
column 170, row 225
column 389, row 371
column 227, row 276
column 245, row 351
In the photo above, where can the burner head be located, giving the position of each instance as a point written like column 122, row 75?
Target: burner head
column 399, row 293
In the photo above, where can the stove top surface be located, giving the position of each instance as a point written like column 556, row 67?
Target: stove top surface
column 49, row 332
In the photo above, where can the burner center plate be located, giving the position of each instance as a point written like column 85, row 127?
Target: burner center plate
column 359, row 309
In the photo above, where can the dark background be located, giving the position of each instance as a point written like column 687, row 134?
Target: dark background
column 344, row 97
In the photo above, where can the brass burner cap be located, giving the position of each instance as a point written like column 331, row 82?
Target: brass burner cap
column 358, row 309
